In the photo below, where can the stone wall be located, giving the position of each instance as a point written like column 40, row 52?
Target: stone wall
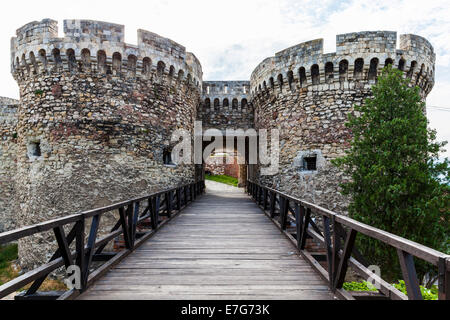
column 8, row 152
column 307, row 95
column 225, row 105
column 218, row 166
column 97, row 118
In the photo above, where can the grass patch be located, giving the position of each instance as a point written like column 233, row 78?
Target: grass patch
column 9, row 271
column 427, row 294
column 7, row 255
column 359, row 286
column 223, row 179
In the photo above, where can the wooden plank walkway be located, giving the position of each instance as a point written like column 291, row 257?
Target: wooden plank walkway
column 221, row 247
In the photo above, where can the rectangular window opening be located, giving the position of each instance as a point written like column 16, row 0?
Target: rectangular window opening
column 167, row 157
column 310, row 163
column 34, row 150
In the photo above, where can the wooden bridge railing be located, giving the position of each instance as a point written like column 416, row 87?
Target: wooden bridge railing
column 284, row 209
column 167, row 203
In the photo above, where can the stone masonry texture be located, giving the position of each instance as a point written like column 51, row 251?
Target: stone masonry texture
column 307, row 95
column 95, row 117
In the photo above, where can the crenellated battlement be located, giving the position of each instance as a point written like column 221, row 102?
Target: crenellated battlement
column 89, row 30
column 225, row 104
column 99, row 47
column 359, row 57
column 225, row 96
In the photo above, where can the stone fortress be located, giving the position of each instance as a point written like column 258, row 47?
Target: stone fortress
column 95, row 117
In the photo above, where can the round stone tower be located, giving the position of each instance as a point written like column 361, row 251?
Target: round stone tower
column 95, row 118
column 307, row 95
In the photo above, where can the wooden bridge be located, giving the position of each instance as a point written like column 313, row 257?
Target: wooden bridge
column 185, row 243
column 220, row 247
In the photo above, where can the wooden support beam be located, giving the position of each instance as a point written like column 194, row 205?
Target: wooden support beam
column 39, row 296
column 305, row 229
column 123, row 222
column 63, row 246
column 272, row 204
column 90, row 248
column 79, row 249
column 135, row 221
column 129, row 215
column 116, row 227
column 265, row 199
column 409, row 275
column 284, row 213
column 178, row 199
column 169, row 196
column 103, row 256
column 343, row 263
column 298, row 223
column 37, row 283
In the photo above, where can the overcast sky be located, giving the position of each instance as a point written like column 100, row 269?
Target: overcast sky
column 231, row 37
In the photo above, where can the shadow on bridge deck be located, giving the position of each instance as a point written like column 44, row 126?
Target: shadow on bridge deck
column 221, row 247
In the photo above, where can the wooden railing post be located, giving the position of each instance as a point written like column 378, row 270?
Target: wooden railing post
column 125, row 229
column 327, row 239
column 90, row 248
column 305, row 229
column 444, row 278
column 79, row 248
column 157, row 208
column 272, row 204
column 298, row 223
column 265, row 199
column 343, row 263
column 169, row 196
column 336, row 249
column 63, row 246
column 284, row 212
column 178, row 199
column 130, row 218
column 135, row 221
column 409, row 275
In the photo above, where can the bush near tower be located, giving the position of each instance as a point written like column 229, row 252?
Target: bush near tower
column 397, row 182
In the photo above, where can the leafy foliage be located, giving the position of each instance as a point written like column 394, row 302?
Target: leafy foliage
column 359, row 286
column 397, row 182
column 7, row 254
column 427, row 294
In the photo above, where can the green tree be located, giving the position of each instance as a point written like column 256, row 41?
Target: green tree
column 397, row 182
